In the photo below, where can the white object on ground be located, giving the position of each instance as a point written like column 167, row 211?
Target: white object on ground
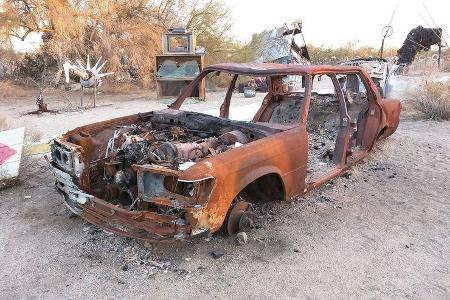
column 11, row 143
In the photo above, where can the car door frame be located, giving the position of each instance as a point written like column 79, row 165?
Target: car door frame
column 343, row 138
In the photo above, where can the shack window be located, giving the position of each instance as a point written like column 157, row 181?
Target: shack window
column 179, row 43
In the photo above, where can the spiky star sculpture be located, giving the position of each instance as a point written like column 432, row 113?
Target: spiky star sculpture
column 89, row 76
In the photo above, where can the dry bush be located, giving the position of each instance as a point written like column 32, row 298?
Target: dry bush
column 4, row 123
column 9, row 89
column 32, row 136
column 126, row 33
column 433, row 99
column 445, row 67
column 350, row 50
column 120, row 87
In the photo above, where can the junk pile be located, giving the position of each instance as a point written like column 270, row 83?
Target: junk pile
column 418, row 39
column 181, row 61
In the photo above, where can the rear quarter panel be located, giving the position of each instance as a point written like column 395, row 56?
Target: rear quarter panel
column 391, row 116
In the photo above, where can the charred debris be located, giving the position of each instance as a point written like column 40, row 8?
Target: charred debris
column 171, row 139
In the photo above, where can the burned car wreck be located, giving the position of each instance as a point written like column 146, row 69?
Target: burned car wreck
column 168, row 174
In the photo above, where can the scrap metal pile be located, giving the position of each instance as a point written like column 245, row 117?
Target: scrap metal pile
column 280, row 45
column 418, row 39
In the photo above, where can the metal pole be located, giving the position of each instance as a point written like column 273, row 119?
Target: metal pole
column 382, row 47
column 81, row 95
column 439, row 57
column 95, row 91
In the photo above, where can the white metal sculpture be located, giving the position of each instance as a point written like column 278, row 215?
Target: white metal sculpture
column 90, row 77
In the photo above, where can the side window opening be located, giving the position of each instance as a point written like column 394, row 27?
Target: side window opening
column 287, row 94
column 244, row 105
column 356, row 99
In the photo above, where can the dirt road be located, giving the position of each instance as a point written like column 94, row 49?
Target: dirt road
column 382, row 231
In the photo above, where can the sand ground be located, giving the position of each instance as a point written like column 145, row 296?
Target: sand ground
column 381, row 231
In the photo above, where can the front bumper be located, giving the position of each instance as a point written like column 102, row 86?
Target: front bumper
column 143, row 225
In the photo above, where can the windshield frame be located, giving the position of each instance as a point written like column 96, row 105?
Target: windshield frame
column 225, row 106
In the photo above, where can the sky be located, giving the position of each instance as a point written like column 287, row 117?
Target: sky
column 330, row 23
column 334, row 23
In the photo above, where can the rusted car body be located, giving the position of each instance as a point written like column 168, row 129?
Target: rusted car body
column 168, row 174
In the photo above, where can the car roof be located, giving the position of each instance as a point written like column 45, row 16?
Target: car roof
column 267, row 69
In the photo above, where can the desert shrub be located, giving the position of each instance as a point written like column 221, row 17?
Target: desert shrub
column 350, row 50
column 5, row 122
column 433, row 99
column 445, row 66
column 126, row 33
column 9, row 89
column 36, row 65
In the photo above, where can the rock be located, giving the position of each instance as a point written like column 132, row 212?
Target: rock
column 125, row 267
column 156, row 264
column 182, row 272
column 241, row 238
column 148, row 245
column 296, row 250
column 217, row 254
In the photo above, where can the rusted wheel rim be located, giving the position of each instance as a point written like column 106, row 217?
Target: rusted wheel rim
column 236, row 217
column 247, row 220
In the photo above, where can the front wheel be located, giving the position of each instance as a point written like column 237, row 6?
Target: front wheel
column 240, row 217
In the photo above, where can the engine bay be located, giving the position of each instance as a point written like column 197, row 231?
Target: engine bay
column 169, row 138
